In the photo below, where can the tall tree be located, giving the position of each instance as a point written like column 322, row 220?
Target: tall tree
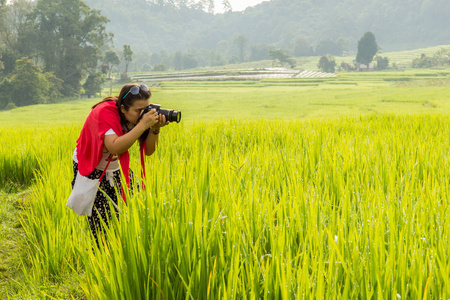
column 226, row 6
column 13, row 45
column 111, row 59
column 127, row 56
column 367, row 48
column 241, row 42
column 70, row 36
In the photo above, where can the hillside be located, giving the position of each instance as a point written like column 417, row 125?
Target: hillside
column 397, row 25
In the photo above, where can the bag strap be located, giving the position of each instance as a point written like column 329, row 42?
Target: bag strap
column 107, row 165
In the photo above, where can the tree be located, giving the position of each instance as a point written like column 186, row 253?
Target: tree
column 241, row 42
column 13, row 45
column 70, row 36
column 93, row 84
column 282, row 57
column 422, row 62
column 226, row 6
column 127, row 56
column 327, row 64
column 28, row 85
column 111, row 59
column 189, row 61
column 382, row 62
column 367, row 48
column 178, row 61
column 260, row 51
column 302, row 47
column 327, row 47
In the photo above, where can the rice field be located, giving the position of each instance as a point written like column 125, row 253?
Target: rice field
column 351, row 207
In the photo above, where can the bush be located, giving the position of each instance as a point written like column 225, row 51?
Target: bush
column 124, row 78
column 159, row 68
column 10, row 106
column 327, row 64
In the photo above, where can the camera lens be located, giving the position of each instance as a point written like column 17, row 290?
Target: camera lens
column 171, row 115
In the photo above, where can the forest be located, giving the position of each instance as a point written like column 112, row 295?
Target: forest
column 62, row 48
column 175, row 25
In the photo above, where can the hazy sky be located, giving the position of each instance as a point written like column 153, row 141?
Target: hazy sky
column 237, row 5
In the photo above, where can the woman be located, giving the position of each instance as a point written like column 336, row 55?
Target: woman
column 111, row 128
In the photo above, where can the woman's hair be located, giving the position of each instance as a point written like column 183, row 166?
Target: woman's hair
column 128, row 101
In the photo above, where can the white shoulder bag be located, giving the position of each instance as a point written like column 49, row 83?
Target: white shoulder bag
column 82, row 198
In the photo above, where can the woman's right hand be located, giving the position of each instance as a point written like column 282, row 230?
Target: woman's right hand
column 149, row 119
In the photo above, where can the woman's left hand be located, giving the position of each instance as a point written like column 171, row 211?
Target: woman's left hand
column 161, row 122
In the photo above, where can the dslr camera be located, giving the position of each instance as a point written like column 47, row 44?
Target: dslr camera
column 170, row 114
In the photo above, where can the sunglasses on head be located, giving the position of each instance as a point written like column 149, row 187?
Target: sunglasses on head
column 135, row 90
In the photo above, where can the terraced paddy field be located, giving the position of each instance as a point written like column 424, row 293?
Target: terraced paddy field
column 332, row 188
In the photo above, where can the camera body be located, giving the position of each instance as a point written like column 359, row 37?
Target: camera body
column 170, row 114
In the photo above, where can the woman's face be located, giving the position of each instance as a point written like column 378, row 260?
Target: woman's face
column 134, row 112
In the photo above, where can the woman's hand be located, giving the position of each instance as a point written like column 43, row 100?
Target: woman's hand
column 149, row 119
column 161, row 122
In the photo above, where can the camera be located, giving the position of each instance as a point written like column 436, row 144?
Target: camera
column 171, row 115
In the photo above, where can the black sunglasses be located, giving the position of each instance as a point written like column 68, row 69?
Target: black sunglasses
column 135, row 90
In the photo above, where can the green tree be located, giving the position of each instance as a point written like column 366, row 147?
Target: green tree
column 13, row 45
column 382, row 62
column 282, row 57
column 127, row 56
column 178, row 61
column 367, row 48
column 28, row 85
column 93, row 84
column 111, row 59
column 327, row 47
column 302, row 47
column 189, row 61
column 70, row 36
column 327, row 64
column 422, row 62
column 241, row 42
column 260, row 52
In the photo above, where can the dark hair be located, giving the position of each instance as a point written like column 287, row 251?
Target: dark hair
column 128, row 101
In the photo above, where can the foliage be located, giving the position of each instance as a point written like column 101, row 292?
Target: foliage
column 367, row 48
column 93, row 84
column 124, row 78
column 276, row 23
column 111, row 59
column 127, row 56
column 70, row 35
column 282, row 57
column 327, row 64
column 439, row 59
column 328, row 47
column 302, row 47
column 28, row 85
column 382, row 62
column 241, row 42
column 159, row 68
column 318, row 209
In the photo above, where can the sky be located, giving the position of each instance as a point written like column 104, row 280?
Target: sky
column 237, row 5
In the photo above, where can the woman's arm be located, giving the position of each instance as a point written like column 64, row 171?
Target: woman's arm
column 120, row 144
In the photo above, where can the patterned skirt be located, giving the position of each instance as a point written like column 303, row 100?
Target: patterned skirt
column 101, row 212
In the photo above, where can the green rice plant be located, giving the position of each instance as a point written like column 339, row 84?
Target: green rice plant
column 349, row 209
column 337, row 209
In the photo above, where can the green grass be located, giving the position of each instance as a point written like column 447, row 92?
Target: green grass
column 350, row 94
column 271, row 189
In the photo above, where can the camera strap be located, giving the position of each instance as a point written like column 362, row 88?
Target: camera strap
column 143, row 175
